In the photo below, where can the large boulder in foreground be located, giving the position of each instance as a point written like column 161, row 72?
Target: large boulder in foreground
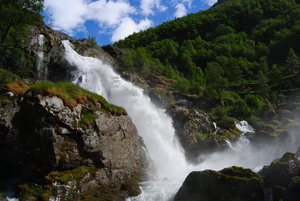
column 233, row 183
column 66, row 143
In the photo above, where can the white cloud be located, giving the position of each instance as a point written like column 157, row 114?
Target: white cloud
column 210, row 2
column 109, row 13
column 189, row 2
column 70, row 15
column 116, row 17
column 180, row 10
column 148, row 7
column 128, row 26
column 66, row 15
column 182, row 7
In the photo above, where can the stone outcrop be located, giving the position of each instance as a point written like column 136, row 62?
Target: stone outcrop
column 69, row 152
column 197, row 132
column 234, row 183
column 283, row 177
column 53, row 63
column 278, row 181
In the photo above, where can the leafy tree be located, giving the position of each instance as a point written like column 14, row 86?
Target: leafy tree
column 292, row 62
column 263, row 64
column 93, row 40
column 16, row 16
column 255, row 102
column 214, row 78
column 262, row 86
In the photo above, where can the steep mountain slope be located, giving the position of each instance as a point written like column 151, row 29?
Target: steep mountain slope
column 241, row 56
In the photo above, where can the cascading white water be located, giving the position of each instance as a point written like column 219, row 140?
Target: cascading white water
column 152, row 123
column 154, row 126
column 244, row 127
column 41, row 71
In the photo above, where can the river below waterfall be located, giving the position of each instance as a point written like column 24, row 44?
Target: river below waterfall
column 156, row 129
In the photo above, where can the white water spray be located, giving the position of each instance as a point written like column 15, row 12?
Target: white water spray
column 152, row 123
column 41, row 71
column 244, row 127
column 154, row 126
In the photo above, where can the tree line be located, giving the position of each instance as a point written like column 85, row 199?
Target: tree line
column 241, row 54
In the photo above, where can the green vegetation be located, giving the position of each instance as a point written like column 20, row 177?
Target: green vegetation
column 72, row 95
column 16, row 16
column 87, row 120
column 70, row 175
column 28, row 191
column 10, row 83
column 241, row 56
column 202, row 137
column 93, row 40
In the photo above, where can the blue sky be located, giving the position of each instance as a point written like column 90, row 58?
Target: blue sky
column 112, row 20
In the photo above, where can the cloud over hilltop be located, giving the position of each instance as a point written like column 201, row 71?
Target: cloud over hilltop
column 117, row 18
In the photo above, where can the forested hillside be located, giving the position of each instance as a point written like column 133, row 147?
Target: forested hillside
column 241, row 56
column 16, row 18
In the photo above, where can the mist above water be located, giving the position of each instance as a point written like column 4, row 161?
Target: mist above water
column 157, row 130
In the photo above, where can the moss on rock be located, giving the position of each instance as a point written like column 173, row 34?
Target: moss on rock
column 234, row 183
column 73, row 95
column 280, row 172
column 131, row 187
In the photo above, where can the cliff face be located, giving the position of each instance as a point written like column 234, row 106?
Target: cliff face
column 76, row 149
column 49, row 49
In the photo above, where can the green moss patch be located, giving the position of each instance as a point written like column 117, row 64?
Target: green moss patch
column 12, row 83
column 70, row 175
column 234, row 183
column 32, row 191
column 73, row 95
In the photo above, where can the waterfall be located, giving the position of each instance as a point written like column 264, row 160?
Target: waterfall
column 41, row 71
column 153, row 125
column 216, row 128
column 244, row 127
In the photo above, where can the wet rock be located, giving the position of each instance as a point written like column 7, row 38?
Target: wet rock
column 193, row 129
column 281, row 171
column 113, row 51
column 53, row 146
column 161, row 97
column 131, row 188
column 54, row 66
column 234, row 183
column 283, row 177
column 2, row 197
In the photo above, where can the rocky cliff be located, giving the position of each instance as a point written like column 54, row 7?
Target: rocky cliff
column 67, row 147
column 278, row 181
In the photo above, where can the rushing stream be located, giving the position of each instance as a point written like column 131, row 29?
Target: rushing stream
column 155, row 127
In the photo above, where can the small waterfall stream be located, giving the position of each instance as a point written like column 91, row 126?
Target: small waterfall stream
column 41, row 71
column 244, row 127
